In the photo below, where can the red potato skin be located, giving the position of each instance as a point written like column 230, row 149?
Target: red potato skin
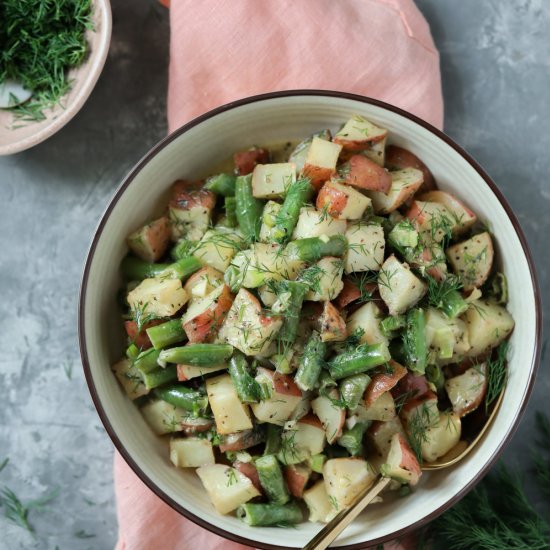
column 249, row 470
column 366, row 174
column 409, row 461
column 351, row 292
column 331, row 320
column 245, row 161
column 357, row 145
column 157, row 234
column 332, row 199
column 411, row 404
column 185, row 197
column 435, row 271
column 208, row 272
column 282, row 383
column 413, row 385
column 141, row 340
column 312, row 420
column 194, row 428
column 383, row 382
column 204, row 327
column 317, row 175
column 415, row 214
column 241, row 441
column 295, row 480
column 398, row 158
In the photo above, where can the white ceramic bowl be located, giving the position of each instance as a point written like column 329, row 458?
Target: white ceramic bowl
column 191, row 151
column 17, row 136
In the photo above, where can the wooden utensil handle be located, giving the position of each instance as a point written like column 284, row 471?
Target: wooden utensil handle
column 332, row 529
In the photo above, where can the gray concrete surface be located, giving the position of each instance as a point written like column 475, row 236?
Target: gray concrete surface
column 495, row 58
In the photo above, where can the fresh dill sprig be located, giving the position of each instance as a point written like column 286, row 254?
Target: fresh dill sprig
column 40, row 41
column 496, row 374
column 417, row 430
column 439, row 291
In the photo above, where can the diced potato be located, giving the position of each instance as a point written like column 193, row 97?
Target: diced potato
column 366, row 174
column 463, row 216
column 188, row 372
column 329, row 281
column 267, row 295
column 446, row 338
column 398, row 158
column 466, row 391
column 431, row 260
column 420, row 412
column 190, row 211
column 367, row 318
column 217, row 247
column 341, row 201
column 151, row 241
column 163, row 417
column 332, row 325
column 129, row 378
column 204, row 316
column 312, row 223
column 230, row 414
column 382, row 409
column 384, row 382
column 401, row 463
column 309, row 435
column 366, row 245
column 346, row 479
column 227, row 487
column 380, row 434
column 318, row 503
column 432, row 219
column 270, row 181
column 299, row 154
column 405, row 183
column 321, row 159
column 241, row 440
column 191, row 452
column 398, row 286
column 269, row 221
column 377, row 152
column 246, row 160
column 285, row 396
column 203, row 282
column 246, row 327
column 488, row 325
column 159, row 296
column 440, row 438
column 296, row 477
column 472, row 260
column 358, row 133
column 331, row 416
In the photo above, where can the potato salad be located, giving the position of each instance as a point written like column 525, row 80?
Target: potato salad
column 297, row 328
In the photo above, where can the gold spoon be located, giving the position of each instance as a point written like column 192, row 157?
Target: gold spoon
column 332, row 529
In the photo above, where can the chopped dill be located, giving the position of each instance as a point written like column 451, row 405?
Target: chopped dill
column 496, row 374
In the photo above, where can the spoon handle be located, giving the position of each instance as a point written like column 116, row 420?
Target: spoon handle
column 334, row 527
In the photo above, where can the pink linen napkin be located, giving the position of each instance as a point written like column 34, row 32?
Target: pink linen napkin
column 229, row 49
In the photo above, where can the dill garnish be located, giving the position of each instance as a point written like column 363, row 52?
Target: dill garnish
column 496, row 374
column 39, row 42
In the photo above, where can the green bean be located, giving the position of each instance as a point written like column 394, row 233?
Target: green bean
column 248, row 388
column 231, row 211
column 353, row 388
column 166, row 334
column 291, row 313
column 453, row 304
column 248, row 209
column 134, row 269
column 311, row 363
column 132, row 351
column 184, row 398
column 297, row 196
column 273, row 439
column 360, row 359
column 183, row 249
column 221, row 184
column 270, row 514
column 159, row 376
column 147, row 360
column 435, row 375
column 200, row 355
column 414, row 341
column 271, row 479
column 316, row 462
column 315, row 248
column 390, row 325
column 352, row 439
column 182, row 269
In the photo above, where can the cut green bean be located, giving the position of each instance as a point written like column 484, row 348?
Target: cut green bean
column 390, row 325
column 248, row 388
column 221, row 184
column 291, row 313
column 182, row 269
column 315, row 248
column 352, row 439
column 160, row 376
column 134, row 269
column 166, row 334
column 360, row 359
column 201, row 355
column 453, row 304
column 248, row 209
column 273, row 439
column 316, row 462
column 183, row 249
column 147, row 360
column 296, row 197
column 311, row 363
column 271, row 479
column 184, row 398
column 435, row 375
column 353, row 388
column 231, row 211
column 132, row 351
column 414, row 341
column 270, row 514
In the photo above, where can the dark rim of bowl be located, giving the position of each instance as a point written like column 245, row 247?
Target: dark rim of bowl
column 253, row 99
